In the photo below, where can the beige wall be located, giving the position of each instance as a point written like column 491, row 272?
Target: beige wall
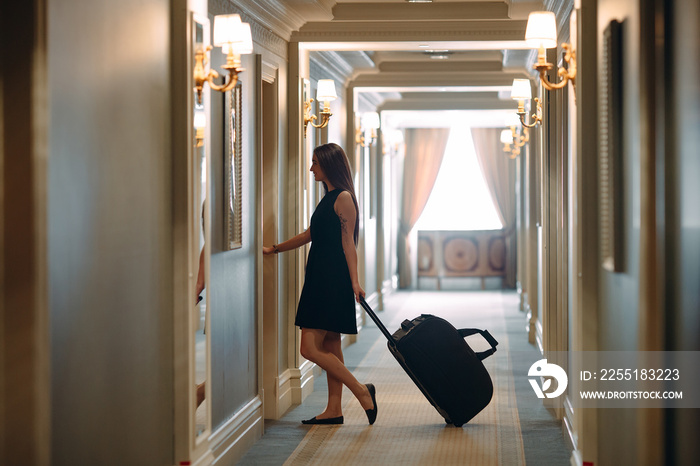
column 683, row 223
column 619, row 316
column 109, row 232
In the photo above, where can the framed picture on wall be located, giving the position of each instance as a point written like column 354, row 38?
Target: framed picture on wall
column 611, row 148
column 232, row 169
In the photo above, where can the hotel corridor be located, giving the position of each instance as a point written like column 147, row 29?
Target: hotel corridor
column 529, row 167
column 512, row 430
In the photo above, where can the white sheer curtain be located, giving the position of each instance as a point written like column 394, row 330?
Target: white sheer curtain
column 499, row 173
column 425, row 148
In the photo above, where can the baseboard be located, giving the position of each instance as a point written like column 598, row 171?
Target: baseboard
column 568, row 425
column 387, row 287
column 576, row 458
column 538, row 336
column 530, row 324
column 347, row 340
column 373, row 300
column 302, row 382
column 232, row 440
column 284, row 393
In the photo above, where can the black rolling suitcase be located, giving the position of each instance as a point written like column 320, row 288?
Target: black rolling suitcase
column 441, row 363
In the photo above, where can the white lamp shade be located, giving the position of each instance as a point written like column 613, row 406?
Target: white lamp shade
column 244, row 43
column 521, row 90
column 200, row 120
column 226, row 29
column 541, row 30
column 396, row 136
column 370, row 120
column 326, row 90
column 507, row 136
column 512, row 119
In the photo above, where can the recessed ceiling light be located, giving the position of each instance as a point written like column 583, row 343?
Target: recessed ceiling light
column 424, row 46
column 419, row 1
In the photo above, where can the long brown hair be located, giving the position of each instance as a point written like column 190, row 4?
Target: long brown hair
column 335, row 165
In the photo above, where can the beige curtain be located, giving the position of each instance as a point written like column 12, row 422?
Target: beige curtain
column 425, row 148
column 499, row 171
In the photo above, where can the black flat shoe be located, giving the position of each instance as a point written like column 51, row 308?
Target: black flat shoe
column 327, row 421
column 372, row 413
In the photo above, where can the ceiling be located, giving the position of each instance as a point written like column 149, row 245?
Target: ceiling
column 405, row 57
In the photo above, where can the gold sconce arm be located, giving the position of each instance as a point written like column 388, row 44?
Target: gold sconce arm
column 536, row 118
column 519, row 140
column 364, row 142
column 232, row 66
column 565, row 74
column 199, row 137
column 309, row 118
column 522, row 139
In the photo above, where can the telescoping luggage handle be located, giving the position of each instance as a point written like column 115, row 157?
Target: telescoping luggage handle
column 465, row 332
column 376, row 320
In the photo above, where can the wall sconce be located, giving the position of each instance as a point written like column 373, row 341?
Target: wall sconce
column 519, row 140
column 369, row 121
column 521, row 91
column 514, row 136
column 200, row 122
column 541, row 34
column 324, row 93
column 507, row 140
column 235, row 39
column 392, row 140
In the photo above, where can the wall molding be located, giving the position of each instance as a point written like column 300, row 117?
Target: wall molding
column 530, row 320
column 387, row 287
column 562, row 10
column 230, row 441
column 394, row 79
column 570, row 431
column 330, row 65
column 262, row 24
column 284, row 396
column 538, row 336
column 302, row 382
column 411, row 31
column 275, row 15
column 373, row 300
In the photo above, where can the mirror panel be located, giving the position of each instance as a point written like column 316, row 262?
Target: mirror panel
column 200, row 170
column 308, row 177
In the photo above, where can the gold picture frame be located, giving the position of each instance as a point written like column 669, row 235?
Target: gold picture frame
column 611, row 151
column 233, row 168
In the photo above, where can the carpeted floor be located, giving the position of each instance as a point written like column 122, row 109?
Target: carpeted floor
column 512, row 430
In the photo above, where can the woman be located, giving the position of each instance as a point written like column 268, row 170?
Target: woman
column 326, row 306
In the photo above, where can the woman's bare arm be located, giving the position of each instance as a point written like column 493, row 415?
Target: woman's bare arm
column 292, row 243
column 345, row 209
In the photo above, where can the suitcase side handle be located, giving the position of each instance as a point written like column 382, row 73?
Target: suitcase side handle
column 376, row 320
column 465, row 332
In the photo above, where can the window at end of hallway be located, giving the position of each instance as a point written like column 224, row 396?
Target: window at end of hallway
column 460, row 199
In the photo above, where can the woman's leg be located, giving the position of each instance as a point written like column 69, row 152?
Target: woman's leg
column 332, row 344
column 312, row 348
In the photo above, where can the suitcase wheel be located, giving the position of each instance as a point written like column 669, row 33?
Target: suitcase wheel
column 459, row 425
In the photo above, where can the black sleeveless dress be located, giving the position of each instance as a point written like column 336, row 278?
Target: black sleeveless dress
column 327, row 301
